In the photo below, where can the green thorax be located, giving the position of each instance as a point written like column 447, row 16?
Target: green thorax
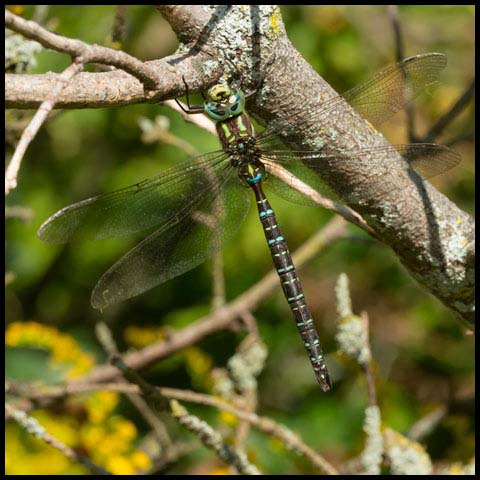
column 226, row 106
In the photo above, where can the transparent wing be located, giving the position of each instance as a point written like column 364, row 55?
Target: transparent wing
column 377, row 99
column 393, row 88
column 181, row 244
column 427, row 159
column 138, row 207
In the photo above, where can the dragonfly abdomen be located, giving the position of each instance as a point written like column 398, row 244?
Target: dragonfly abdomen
column 291, row 286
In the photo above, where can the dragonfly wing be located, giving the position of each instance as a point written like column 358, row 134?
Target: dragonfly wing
column 185, row 242
column 284, row 182
column 376, row 100
column 427, row 159
column 135, row 208
column 395, row 87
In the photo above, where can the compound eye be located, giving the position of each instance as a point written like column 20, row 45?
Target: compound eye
column 234, row 107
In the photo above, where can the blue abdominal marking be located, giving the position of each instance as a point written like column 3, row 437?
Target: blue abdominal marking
column 275, row 240
column 255, row 179
column 268, row 212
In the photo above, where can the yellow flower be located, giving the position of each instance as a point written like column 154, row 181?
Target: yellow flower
column 63, row 347
column 100, row 405
column 141, row 460
column 119, row 465
column 142, row 336
column 228, row 418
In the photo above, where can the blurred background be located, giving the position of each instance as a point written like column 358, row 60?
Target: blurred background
column 423, row 356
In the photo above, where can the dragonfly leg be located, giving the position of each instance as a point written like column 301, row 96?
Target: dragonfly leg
column 190, row 110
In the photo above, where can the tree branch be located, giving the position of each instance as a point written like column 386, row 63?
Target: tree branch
column 115, row 88
column 86, row 53
column 432, row 237
column 400, row 55
column 163, row 78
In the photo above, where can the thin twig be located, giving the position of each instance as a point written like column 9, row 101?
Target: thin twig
column 22, row 213
column 35, row 123
column 292, row 181
column 118, row 27
column 32, row 426
column 222, row 318
column 201, row 121
column 105, row 337
column 262, row 423
column 426, row 424
column 368, row 367
column 397, row 32
column 400, row 55
column 208, row 436
column 88, row 53
column 455, row 110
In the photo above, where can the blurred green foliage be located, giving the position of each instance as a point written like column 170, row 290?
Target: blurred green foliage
column 423, row 357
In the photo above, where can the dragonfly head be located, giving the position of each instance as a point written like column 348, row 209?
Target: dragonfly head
column 224, row 102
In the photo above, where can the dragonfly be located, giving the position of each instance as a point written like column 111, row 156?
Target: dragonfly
column 192, row 209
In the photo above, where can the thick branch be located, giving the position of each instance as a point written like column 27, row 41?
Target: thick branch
column 433, row 238
column 115, row 88
column 163, row 77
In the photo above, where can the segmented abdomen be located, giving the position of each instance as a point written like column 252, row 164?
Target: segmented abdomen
column 291, row 287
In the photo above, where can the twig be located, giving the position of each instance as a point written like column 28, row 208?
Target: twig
column 118, row 27
column 443, row 121
column 107, row 341
column 368, row 367
column 265, row 424
column 40, row 13
column 262, row 423
column 400, row 55
column 201, row 121
column 244, row 368
column 297, row 184
column 426, row 424
column 29, row 133
column 32, row 426
column 397, row 32
column 222, row 318
column 208, row 436
column 22, row 213
column 88, row 53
